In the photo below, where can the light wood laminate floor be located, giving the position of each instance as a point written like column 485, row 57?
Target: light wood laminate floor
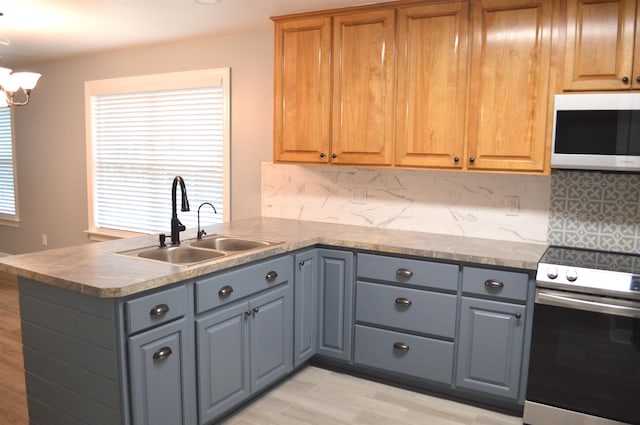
column 314, row 396
column 318, row 396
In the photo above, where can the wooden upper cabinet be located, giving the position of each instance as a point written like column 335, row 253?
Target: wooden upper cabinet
column 302, row 90
column 363, row 88
column 431, row 83
column 509, row 84
column 601, row 35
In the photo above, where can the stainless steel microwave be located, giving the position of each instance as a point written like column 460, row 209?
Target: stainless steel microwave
column 599, row 131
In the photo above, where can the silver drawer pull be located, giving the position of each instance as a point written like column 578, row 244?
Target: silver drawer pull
column 271, row 276
column 403, row 301
column 162, row 353
column 159, row 310
column 400, row 346
column 404, row 273
column 225, row 291
column 493, row 284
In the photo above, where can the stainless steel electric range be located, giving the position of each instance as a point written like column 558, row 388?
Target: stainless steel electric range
column 585, row 349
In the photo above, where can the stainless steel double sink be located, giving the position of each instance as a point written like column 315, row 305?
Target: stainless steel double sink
column 194, row 251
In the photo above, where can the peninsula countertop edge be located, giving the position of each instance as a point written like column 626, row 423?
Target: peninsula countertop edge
column 99, row 269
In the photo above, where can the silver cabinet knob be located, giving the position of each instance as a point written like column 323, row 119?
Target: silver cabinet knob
column 493, row 284
column 404, row 273
column 159, row 310
column 162, row 353
column 401, row 346
column 225, row 291
column 271, row 276
column 403, row 301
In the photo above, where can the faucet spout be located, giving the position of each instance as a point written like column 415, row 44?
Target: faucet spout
column 201, row 233
column 176, row 225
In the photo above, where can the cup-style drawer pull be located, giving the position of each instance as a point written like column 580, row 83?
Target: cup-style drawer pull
column 493, row 284
column 271, row 276
column 403, row 301
column 162, row 353
column 159, row 310
column 400, row 346
column 225, row 291
column 404, row 273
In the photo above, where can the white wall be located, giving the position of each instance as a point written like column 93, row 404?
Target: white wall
column 50, row 136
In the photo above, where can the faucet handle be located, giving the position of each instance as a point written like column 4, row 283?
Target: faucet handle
column 201, row 233
column 162, row 238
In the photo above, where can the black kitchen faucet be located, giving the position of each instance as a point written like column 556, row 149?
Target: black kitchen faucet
column 176, row 225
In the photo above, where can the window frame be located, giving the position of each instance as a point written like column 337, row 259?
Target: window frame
column 155, row 82
column 8, row 219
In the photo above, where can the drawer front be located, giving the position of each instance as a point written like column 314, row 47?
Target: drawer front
column 155, row 309
column 411, row 272
column 408, row 309
column 497, row 284
column 225, row 287
column 417, row 356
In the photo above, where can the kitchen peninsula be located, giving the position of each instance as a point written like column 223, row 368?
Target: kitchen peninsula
column 113, row 339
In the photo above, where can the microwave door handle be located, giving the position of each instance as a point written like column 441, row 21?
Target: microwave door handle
column 588, row 303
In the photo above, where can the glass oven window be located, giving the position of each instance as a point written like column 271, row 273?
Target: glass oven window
column 586, row 362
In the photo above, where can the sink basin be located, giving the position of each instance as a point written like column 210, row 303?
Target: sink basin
column 179, row 254
column 224, row 243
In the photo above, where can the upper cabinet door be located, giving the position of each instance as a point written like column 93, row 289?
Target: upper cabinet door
column 302, row 109
column 509, row 84
column 363, row 88
column 600, row 45
column 432, row 73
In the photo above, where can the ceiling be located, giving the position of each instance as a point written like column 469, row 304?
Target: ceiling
column 45, row 29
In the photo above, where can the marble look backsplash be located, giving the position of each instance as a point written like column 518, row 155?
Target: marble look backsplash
column 595, row 210
column 495, row 206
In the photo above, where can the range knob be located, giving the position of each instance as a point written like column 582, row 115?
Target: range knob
column 572, row 275
column 552, row 272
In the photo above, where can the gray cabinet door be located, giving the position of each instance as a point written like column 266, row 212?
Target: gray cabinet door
column 335, row 318
column 223, row 356
column 305, row 306
column 490, row 346
column 271, row 335
column 161, row 385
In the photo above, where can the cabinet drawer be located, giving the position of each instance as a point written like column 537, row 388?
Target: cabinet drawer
column 225, row 287
column 155, row 309
column 411, row 272
column 498, row 284
column 417, row 356
column 408, row 309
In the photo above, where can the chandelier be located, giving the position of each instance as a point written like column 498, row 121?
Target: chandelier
column 16, row 86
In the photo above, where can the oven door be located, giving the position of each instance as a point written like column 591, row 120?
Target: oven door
column 585, row 360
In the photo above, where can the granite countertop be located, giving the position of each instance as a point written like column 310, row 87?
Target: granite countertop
column 96, row 268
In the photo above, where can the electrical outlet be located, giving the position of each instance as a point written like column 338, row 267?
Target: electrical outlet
column 513, row 205
column 359, row 195
column 45, row 240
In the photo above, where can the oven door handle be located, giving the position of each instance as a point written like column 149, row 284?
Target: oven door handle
column 595, row 304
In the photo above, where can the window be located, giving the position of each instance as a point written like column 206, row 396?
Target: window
column 141, row 133
column 8, row 206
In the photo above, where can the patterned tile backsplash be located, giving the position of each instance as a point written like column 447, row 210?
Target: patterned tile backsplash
column 494, row 206
column 595, row 210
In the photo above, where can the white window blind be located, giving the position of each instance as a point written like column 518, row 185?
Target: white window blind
column 141, row 141
column 7, row 178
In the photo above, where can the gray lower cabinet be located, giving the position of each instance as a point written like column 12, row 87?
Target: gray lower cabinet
column 160, row 357
column 335, row 303
column 305, row 306
column 162, row 390
column 406, row 317
column 493, row 326
column 242, row 348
